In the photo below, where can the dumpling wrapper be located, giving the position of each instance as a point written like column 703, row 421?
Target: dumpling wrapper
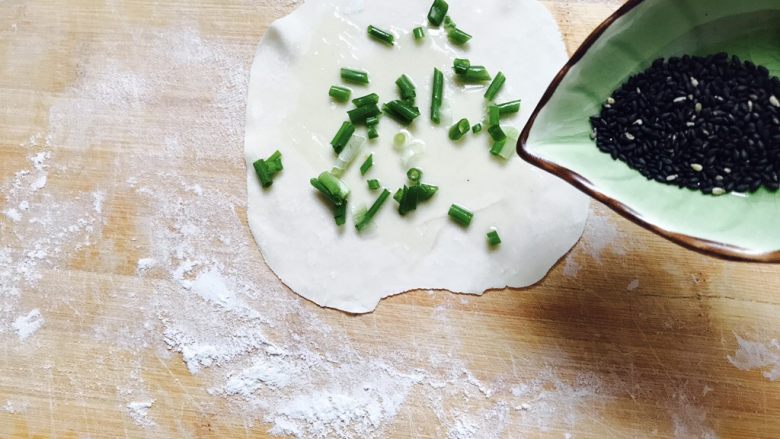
column 538, row 217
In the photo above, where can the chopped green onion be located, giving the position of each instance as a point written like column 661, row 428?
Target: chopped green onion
column 448, row 23
column 414, row 175
column 373, row 98
column 459, row 129
column 437, row 12
column 401, row 138
column 381, row 35
column 367, row 164
column 493, row 238
column 267, row 168
column 348, row 154
column 372, row 132
column 340, row 214
column 498, row 146
column 509, row 107
column 476, row 128
column 475, row 74
column 336, row 192
column 354, row 76
column 437, row 95
column 458, row 36
column 402, row 112
column 460, row 65
column 494, row 115
column 512, row 134
column 360, row 114
column 419, row 33
column 340, row 94
column 364, row 220
column 495, row 86
column 342, row 136
column 460, row 215
column 426, row 191
column 372, row 121
column 406, row 86
column 496, row 133
column 398, row 195
column 408, row 200
column 373, row 184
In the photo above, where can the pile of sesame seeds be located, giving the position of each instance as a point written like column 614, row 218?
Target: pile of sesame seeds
column 710, row 124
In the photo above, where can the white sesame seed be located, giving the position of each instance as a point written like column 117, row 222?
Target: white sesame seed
column 720, row 98
column 694, row 82
column 593, row 134
column 690, row 124
column 680, row 99
column 698, row 107
column 630, row 136
column 690, row 97
column 638, row 122
column 610, row 100
column 719, row 177
column 718, row 191
column 671, row 177
column 638, row 91
column 750, row 106
column 727, row 170
column 697, row 167
column 774, row 101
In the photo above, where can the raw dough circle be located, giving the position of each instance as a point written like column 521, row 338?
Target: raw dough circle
column 538, row 216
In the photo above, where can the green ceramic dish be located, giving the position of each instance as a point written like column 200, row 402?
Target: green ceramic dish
column 557, row 136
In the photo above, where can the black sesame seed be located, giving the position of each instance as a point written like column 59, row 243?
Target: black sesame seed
column 715, row 111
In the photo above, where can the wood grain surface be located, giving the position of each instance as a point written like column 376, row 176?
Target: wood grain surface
column 628, row 308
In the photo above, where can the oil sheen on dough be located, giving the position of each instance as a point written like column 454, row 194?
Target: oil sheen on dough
column 538, row 216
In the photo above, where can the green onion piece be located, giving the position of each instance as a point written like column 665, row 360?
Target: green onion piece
column 495, row 86
column 360, row 114
column 401, row 138
column 365, row 219
column 372, row 132
column 493, row 238
column 373, row 98
column 494, row 115
column 354, row 76
column 419, row 33
column 460, row 65
column 509, row 107
column 331, row 187
column 460, row 215
column 475, row 74
column 476, row 128
column 340, row 94
column 498, row 146
column 512, row 134
column 401, row 111
column 448, row 23
column 372, row 121
column 460, row 129
column 458, row 36
column 398, row 195
column 406, row 86
column 342, row 136
column 437, row 12
column 381, row 35
column 408, row 200
column 373, row 184
column 426, row 191
column 274, row 162
column 348, row 154
column 437, row 95
column 340, row 214
column 496, row 133
column 264, row 174
column 414, row 175
column 367, row 164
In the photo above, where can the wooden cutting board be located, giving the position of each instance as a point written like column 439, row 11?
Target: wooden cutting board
column 653, row 322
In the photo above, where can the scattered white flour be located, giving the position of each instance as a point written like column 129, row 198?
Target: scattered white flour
column 764, row 356
column 634, row 284
column 145, row 264
column 13, row 214
column 139, row 412
column 27, row 325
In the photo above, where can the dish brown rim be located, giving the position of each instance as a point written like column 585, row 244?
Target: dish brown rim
column 712, row 248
